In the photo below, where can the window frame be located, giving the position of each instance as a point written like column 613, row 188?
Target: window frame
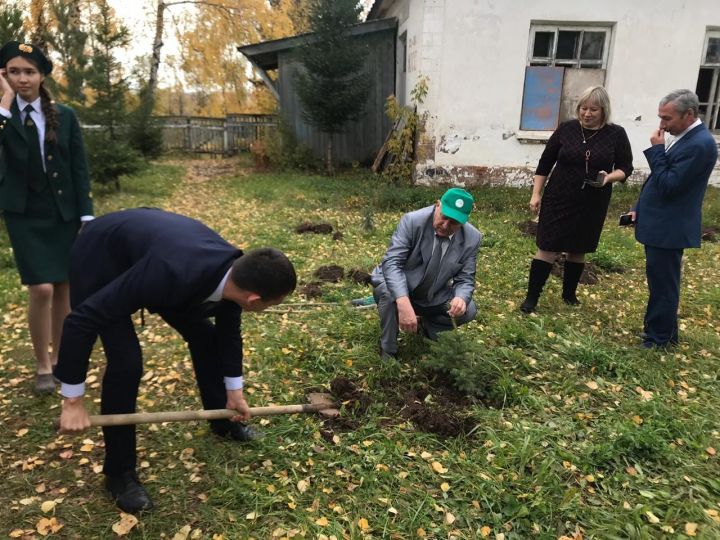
column 714, row 34
column 711, row 116
column 556, row 29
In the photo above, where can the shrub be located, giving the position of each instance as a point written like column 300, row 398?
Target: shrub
column 110, row 159
column 470, row 367
column 146, row 137
column 281, row 150
column 408, row 126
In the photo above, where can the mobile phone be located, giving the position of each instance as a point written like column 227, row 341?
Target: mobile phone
column 626, row 220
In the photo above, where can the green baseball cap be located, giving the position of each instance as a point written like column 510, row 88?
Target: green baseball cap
column 456, row 204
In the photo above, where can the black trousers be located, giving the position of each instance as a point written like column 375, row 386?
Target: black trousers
column 662, row 267
column 122, row 380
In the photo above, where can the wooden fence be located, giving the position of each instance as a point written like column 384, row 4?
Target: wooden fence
column 224, row 136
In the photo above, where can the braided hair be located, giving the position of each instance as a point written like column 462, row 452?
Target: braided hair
column 51, row 115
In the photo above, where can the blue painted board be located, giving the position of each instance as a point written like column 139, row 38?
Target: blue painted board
column 541, row 98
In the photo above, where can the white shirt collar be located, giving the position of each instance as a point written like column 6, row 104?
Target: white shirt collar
column 674, row 140
column 216, row 296
column 37, row 104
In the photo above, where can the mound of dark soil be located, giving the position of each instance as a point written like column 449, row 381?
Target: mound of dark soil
column 332, row 273
column 528, row 228
column 312, row 290
column 314, row 228
column 710, row 234
column 354, row 400
column 358, row 276
column 337, row 235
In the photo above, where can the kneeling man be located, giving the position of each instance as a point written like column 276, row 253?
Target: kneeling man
column 427, row 276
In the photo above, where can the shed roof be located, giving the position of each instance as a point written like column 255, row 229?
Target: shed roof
column 376, row 7
column 265, row 54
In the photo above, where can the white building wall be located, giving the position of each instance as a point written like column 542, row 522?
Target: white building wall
column 475, row 52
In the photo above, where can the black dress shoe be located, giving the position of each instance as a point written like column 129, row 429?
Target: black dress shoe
column 128, row 493
column 237, row 431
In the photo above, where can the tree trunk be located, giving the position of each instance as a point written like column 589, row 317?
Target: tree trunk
column 157, row 47
column 330, row 169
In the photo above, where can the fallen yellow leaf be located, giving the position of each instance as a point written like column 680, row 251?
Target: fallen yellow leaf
column 22, row 432
column 445, row 487
column 652, row 518
column 711, row 451
column 485, row 531
column 183, row 533
column 449, row 518
column 125, row 525
column 421, row 533
column 47, row 506
column 363, row 524
column 323, row 522
column 438, row 468
column 302, row 486
column 592, row 385
column 691, row 529
column 46, row 526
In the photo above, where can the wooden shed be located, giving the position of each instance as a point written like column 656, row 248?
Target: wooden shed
column 361, row 139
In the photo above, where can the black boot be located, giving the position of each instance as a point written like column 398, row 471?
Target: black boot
column 571, row 277
column 128, row 493
column 539, row 272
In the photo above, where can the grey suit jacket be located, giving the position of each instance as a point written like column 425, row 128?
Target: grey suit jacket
column 406, row 259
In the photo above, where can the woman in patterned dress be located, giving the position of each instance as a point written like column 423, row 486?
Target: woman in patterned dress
column 44, row 193
column 582, row 159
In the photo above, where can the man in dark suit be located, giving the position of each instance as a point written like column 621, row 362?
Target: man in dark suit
column 668, row 212
column 428, row 270
column 179, row 268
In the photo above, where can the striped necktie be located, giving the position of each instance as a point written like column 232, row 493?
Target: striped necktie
column 433, row 269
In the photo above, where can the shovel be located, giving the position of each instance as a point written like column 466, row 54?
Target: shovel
column 319, row 403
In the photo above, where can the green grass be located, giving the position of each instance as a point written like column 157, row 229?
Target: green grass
column 600, row 437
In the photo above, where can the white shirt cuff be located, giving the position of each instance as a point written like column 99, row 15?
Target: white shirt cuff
column 5, row 112
column 86, row 218
column 72, row 390
column 233, row 383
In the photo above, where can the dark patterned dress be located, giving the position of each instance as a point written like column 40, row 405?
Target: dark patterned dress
column 572, row 213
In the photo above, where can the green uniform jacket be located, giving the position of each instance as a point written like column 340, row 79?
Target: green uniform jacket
column 65, row 165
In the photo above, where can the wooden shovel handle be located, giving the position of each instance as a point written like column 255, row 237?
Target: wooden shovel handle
column 187, row 416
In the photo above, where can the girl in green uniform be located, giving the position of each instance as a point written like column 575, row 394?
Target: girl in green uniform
column 44, row 194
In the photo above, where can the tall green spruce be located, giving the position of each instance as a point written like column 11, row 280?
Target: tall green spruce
column 11, row 22
column 69, row 42
column 332, row 84
column 108, row 150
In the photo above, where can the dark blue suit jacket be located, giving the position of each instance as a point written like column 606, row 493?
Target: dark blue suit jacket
column 669, row 210
column 147, row 258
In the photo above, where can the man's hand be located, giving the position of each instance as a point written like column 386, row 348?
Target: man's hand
column 457, row 307
column 406, row 315
column 236, row 401
column 74, row 417
column 658, row 137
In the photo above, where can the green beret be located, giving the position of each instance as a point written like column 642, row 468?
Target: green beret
column 14, row 48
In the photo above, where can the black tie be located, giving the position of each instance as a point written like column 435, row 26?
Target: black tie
column 433, row 269
column 36, row 174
